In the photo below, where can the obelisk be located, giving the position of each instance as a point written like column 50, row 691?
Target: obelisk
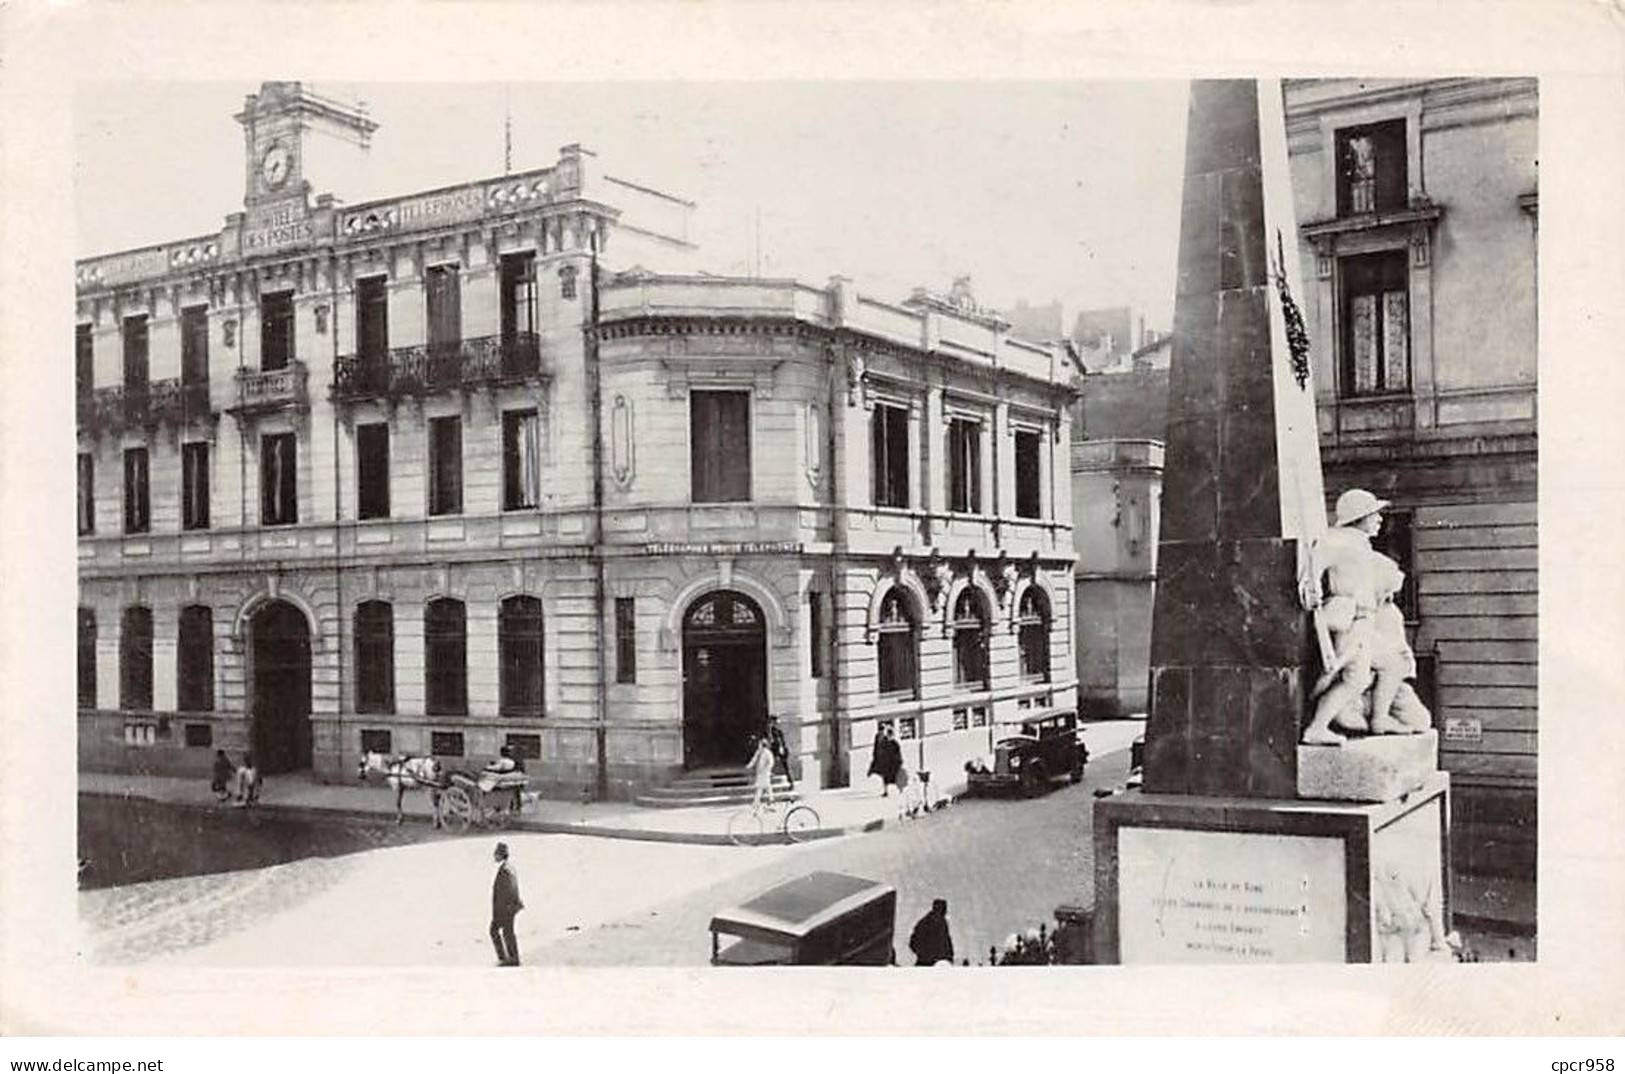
column 1222, row 856
column 1229, row 639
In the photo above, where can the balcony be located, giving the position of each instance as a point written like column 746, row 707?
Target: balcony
column 143, row 406
column 265, row 390
column 425, row 369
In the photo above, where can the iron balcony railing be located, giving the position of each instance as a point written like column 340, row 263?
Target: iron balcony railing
column 426, row 368
column 137, row 406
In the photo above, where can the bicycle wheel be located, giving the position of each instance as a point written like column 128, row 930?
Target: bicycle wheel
column 745, row 828
column 801, row 823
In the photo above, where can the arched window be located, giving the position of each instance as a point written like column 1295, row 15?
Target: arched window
column 135, row 659
column 87, row 658
column 519, row 638
column 970, row 639
column 897, row 645
column 1032, row 622
column 374, row 657
column 195, row 670
column 445, row 651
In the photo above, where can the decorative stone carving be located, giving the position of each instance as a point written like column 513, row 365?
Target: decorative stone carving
column 1004, row 581
column 623, row 442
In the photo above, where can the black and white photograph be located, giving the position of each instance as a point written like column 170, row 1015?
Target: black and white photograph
column 539, row 523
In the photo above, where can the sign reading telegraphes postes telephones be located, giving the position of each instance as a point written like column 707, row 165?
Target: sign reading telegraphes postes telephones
column 1206, row 896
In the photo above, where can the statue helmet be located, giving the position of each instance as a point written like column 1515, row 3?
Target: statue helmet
column 1355, row 504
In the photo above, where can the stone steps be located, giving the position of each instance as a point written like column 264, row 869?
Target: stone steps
column 720, row 785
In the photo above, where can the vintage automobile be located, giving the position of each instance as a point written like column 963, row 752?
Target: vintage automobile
column 821, row 919
column 1048, row 748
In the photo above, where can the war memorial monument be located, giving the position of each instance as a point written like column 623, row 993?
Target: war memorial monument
column 1292, row 809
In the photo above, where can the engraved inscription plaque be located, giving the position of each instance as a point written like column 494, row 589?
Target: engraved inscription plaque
column 1201, row 896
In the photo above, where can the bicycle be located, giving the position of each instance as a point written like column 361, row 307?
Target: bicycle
column 748, row 826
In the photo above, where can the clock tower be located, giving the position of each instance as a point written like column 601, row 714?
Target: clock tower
column 278, row 124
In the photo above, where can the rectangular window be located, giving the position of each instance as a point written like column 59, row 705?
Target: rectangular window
column 815, row 633
column 626, row 639
column 961, row 719
column 1376, row 323
column 719, row 446
column 445, row 322
column 135, row 659
column 445, row 649
column 377, row 740
column 87, row 658
column 524, row 747
column 276, row 330
column 446, row 466
column 520, row 355
column 136, row 383
column 199, row 735
column 195, row 659
column 84, row 361
column 964, row 466
column 1028, row 485
column 195, row 485
column 374, row 657
column 372, row 321
column 279, row 484
column 87, row 493
column 446, row 743
column 137, row 506
column 1372, row 168
column 521, row 459
column 888, row 442
column 372, row 470
column 195, row 357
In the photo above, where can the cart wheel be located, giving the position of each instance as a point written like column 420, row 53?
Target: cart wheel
column 745, row 828
column 801, row 823
column 457, row 810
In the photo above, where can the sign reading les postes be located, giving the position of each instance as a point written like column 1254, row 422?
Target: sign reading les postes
column 278, row 226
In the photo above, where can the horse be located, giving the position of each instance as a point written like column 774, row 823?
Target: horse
column 402, row 774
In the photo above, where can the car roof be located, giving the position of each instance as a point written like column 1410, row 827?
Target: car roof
column 797, row 907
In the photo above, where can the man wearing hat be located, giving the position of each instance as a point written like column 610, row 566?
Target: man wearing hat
column 1348, row 562
column 505, row 903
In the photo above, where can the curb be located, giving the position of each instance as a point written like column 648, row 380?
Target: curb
column 543, row 827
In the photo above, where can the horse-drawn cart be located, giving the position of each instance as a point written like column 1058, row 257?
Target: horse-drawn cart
column 482, row 798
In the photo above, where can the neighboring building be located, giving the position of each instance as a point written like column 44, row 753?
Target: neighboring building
column 1042, row 324
column 1116, row 503
column 455, row 470
column 1417, row 204
column 1118, row 426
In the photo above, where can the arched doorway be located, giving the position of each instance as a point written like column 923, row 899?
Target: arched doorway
column 724, row 678
column 280, row 666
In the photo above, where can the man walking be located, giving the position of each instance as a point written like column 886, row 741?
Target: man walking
column 505, row 903
column 930, row 940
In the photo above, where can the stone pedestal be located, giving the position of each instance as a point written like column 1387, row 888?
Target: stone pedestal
column 1190, row 879
column 1372, row 769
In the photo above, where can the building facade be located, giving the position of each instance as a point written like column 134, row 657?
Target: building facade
column 486, row 466
column 1417, row 203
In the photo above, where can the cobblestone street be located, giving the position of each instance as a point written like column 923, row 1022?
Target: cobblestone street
column 1002, row 864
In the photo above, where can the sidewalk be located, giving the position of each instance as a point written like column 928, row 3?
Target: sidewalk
column 843, row 811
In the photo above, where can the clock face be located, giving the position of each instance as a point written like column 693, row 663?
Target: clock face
column 274, row 165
